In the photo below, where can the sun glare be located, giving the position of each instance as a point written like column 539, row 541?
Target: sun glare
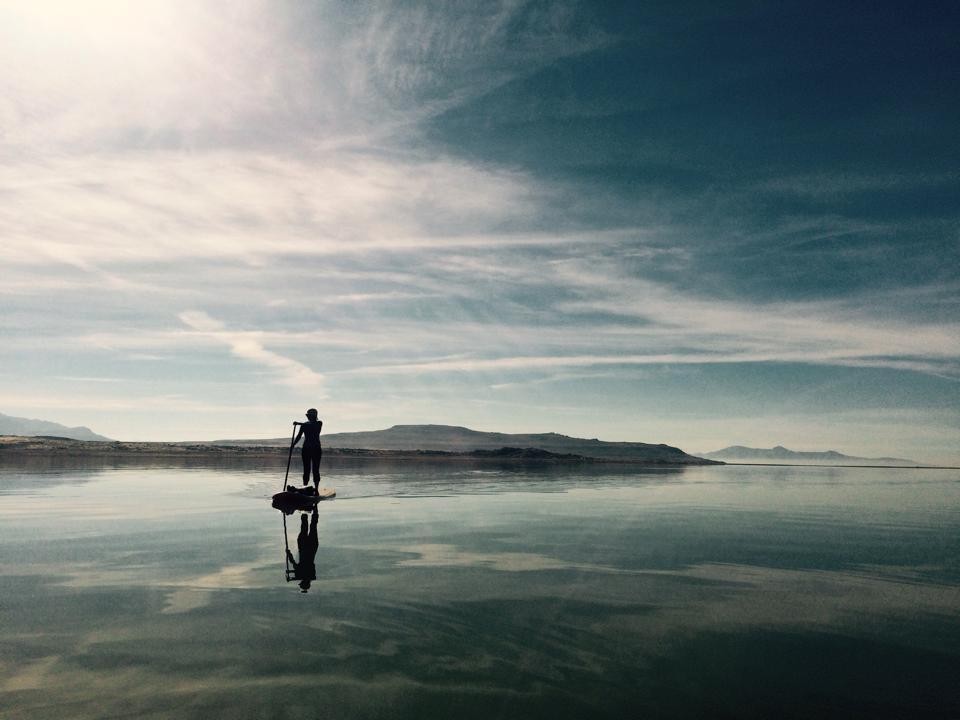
column 74, row 46
column 96, row 24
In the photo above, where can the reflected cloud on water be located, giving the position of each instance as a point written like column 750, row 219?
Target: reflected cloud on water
column 547, row 593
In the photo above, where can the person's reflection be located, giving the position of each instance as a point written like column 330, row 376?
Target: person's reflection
column 305, row 570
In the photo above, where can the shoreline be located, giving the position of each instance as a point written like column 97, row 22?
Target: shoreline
column 51, row 447
column 12, row 446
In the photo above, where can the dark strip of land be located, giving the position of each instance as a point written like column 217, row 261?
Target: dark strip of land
column 48, row 446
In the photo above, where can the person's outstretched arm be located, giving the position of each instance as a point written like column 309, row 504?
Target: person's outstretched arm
column 299, row 434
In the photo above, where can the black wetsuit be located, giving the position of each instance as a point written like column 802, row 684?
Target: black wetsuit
column 311, row 453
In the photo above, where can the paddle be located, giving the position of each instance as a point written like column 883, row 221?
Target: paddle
column 289, row 456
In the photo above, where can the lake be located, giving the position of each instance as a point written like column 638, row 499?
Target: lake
column 448, row 590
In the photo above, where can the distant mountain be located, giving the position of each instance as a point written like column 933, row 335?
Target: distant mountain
column 31, row 428
column 782, row 454
column 449, row 438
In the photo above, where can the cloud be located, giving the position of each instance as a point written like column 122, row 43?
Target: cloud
column 111, row 73
column 145, row 207
column 246, row 345
column 189, row 74
column 438, row 555
column 844, row 331
column 178, row 405
column 679, row 328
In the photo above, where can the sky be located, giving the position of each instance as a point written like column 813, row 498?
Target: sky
column 695, row 223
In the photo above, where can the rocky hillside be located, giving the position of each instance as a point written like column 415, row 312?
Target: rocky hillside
column 455, row 439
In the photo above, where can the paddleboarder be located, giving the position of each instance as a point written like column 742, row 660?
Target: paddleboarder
column 311, row 453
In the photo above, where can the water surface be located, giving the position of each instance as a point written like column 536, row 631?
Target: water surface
column 454, row 591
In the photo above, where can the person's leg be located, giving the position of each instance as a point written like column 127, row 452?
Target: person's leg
column 317, row 456
column 305, row 456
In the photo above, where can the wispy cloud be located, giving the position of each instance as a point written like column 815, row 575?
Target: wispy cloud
column 260, row 206
column 246, row 345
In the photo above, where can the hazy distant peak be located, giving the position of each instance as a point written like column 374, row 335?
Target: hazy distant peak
column 31, row 427
column 427, row 426
column 782, row 454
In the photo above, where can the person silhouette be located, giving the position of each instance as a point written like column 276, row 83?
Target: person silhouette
column 305, row 570
column 311, row 453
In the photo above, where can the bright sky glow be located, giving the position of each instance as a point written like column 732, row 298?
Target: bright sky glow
column 732, row 226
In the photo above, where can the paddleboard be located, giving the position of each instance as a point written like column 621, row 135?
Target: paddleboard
column 297, row 499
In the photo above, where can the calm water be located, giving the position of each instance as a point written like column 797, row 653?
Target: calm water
column 454, row 592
